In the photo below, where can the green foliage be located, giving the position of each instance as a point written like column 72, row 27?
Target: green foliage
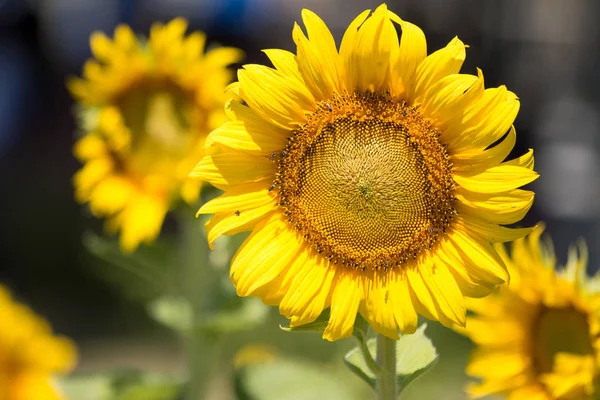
column 249, row 314
column 174, row 312
column 122, row 385
column 142, row 275
column 415, row 354
column 283, row 379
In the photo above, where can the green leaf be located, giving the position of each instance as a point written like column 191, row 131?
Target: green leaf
column 174, row 312
column 285, row 379
column 141, row 275
column 89, row 387
column 415, row 354
column 355, row 361
column 121, row 385
column 250, row 314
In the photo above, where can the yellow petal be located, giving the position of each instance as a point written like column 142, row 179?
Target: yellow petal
column 234, row 168
column 502, row 178
column 420, row 295
column 252, row 203
column 89, row 147
column 377, row 307
column 321, row 299
column 241, row 198
column 238, row 135
column 493, row 233
column 404, row 61
column 479, row 258
column 125, row 38
column 485, row 122
column 437, row 65
column 141, row 221
column 190, row 190
column 347, row 48
column 494, row 363
column 88, row 176
column 221, row 57
column 317, row 56
column 525, row 161
column 306, row 285
column 506, row 332
column 478, row 159
column 501, row 208
column 285, row 63
column 275, row 97
column 448, row 99
column 347, row 295
column 270, row 248
column 445, row 292
column 470, row 286
column 368, row 59
column 102, row 47
column 404, row 311
column 235, row 110
column 111, row 195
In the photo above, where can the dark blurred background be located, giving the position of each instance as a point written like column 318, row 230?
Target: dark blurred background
column 546, row 51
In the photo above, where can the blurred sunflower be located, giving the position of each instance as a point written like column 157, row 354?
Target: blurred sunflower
column 30, row 354
column 146, row 107
column 537, row 338
column 371, row 178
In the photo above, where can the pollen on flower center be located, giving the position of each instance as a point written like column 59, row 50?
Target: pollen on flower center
column 560, row 330
column 367, row 181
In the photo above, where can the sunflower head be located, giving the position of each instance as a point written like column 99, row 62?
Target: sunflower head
column 30, row 355
column 146, row 106
column 371, row 175
column 539, row 336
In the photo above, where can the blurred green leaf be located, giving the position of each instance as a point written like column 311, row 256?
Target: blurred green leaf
column 284, row 379
column 174, row 312
column 415, row 354
column 88, row 387
column 121, row 385
column 142, row 275
column 250, row 314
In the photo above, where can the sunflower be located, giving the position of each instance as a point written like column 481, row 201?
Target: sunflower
column 538, row 338
column 30, row 354
column 372, row 178
column 146, row 108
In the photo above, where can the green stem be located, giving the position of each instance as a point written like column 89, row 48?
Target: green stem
column 386, row 359
column 196, row 283
column 368, row 358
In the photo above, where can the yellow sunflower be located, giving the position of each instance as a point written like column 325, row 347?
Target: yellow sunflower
column 147, row 106
column 30, row 354
column 538, row 337
column 368, row 178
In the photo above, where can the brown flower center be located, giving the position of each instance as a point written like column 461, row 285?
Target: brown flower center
column 163, row 121
column 367, row 181
column 560, row 330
